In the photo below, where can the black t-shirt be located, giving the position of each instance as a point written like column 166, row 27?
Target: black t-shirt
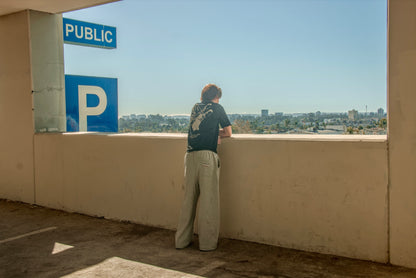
column 204, row 126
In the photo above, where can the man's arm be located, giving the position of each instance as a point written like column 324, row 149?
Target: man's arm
column 226, row 132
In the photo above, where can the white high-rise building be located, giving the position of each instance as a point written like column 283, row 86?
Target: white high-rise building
column 353, row 115
column 380, row 112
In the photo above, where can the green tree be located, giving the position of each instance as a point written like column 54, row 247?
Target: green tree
column 260, row 130
column 382, row 123
column 241, row 126
column 287, row 123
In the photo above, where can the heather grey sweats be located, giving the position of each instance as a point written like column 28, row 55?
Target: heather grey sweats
column 202, row 172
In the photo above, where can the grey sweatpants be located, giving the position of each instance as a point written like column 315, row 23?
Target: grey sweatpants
column 202, row 172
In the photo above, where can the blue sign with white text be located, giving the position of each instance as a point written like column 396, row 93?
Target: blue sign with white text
column 89, row 34
column 91, row 103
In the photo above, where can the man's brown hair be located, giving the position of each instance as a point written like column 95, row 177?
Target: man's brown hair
column 210, row 92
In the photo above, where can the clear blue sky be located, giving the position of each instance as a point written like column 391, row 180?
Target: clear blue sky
column 282, row 55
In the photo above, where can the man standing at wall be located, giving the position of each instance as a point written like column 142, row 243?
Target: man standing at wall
column 202, row 171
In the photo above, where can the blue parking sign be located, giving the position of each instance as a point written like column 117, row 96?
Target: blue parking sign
column 91, row 103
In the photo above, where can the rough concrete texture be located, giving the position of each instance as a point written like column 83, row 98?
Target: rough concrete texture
column 40, row 242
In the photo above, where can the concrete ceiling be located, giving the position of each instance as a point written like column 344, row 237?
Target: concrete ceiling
column 49, row 6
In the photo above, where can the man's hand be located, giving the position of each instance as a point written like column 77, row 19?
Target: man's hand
column 226, row 132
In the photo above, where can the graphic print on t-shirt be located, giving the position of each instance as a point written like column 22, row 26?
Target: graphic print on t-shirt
column 198, row 116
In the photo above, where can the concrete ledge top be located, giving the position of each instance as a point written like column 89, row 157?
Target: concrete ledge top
column 256, row 137
column 312, row 137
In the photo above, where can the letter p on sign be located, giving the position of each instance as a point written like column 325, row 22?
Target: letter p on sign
column 84, row 110
column 82, row 113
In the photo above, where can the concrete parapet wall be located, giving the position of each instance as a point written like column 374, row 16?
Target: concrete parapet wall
column 325, row 194
column 317, row 195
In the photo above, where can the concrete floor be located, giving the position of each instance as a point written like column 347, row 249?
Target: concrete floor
column 40, row 242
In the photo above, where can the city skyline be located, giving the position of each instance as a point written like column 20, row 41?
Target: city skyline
column 265, row 123
column 298, row 56
column 271, row 113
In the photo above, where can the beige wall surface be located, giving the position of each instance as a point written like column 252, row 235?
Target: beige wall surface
column 402, row 130
column 128, row 178
column 326, row 196
column 322, row 196
column 16, row 120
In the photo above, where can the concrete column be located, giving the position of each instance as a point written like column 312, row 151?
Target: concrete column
column 402, row 130
column 16, row 119
column 31, row 79
column 48, row 72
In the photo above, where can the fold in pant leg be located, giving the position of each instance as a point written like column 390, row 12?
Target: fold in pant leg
column 185, row 230
column 209, row 205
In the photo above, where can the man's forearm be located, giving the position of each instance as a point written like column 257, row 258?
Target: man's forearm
column 225, row 132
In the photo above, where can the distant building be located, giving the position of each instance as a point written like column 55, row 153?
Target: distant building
column 380, row 112
column 278, row 114
column 353, row 115
column 329, row 121
column 180, row 117
column 264, row 112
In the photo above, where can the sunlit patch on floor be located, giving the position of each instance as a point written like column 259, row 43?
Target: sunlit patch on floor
column 127, row 268
column 27, row 234
column 60, row 247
